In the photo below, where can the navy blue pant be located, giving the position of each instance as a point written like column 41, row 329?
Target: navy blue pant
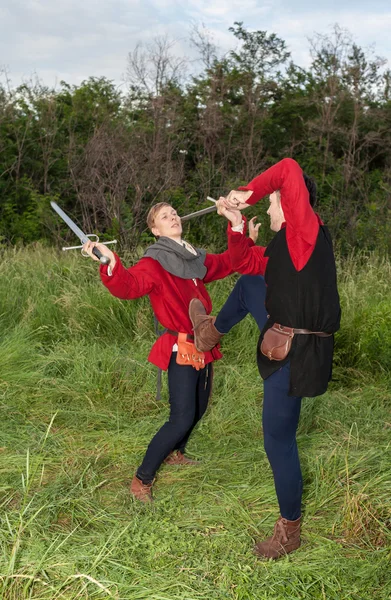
column 281, row 412
column 248, row 296
column 189, row 392
column 280, row 419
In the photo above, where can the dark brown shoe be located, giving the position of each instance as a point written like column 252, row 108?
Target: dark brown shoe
column 285, row 539
column 206, row 335
column 178, row 458
column 141, row 491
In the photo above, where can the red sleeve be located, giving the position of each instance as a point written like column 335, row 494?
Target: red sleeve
column 302, row 223
column 246, row 259
column 128, row 284
column 218, row 265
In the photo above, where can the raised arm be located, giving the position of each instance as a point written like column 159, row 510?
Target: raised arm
column 302, row 223
column 287, row 177
column 246, row 258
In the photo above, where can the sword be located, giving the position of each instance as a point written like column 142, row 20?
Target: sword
column 199, row 213
column 80, row 234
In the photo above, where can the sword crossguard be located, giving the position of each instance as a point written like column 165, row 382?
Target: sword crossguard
column 96, row 240
column 89, row 235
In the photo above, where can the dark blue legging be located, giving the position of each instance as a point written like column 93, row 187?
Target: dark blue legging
column 248, row 296
column 280, row 419
column 281, row 412
column 189, row 392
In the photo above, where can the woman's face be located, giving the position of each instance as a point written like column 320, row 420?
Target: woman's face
column 275, row 212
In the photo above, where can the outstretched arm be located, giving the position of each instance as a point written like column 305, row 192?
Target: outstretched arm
column 218, row 265
column 128, row 284
column 246, row 258
column 123, row 283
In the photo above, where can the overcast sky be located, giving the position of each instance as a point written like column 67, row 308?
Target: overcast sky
column 72, row 40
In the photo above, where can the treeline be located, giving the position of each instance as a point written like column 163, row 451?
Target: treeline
column 107, row 155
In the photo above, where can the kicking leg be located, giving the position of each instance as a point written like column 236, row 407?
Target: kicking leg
column 248, row 296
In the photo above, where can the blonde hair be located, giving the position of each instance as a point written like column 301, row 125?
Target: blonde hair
column 154, row 211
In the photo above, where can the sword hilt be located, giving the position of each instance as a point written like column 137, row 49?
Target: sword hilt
column 103, row 259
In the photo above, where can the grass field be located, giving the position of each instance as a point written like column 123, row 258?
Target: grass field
column 78, row 408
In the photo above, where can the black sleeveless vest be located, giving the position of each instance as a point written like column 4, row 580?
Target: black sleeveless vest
column 306, row 299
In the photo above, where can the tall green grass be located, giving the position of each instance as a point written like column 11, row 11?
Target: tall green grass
column 78, row 408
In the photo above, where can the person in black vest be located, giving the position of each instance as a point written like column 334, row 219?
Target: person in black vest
column 301, row 300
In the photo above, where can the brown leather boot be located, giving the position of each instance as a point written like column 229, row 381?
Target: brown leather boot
column 285, row 539
column 141, row 491
column 178, row 458
column 206, row 335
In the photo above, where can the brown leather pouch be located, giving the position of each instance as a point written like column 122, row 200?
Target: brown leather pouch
column 188, row 354
column 277, row 342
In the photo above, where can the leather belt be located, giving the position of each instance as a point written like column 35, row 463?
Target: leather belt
column 291, row 330
column 190, row 337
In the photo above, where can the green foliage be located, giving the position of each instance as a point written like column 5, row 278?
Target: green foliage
column 78, row 409
column 364, row 342
column 259, row 53
column 108, row 155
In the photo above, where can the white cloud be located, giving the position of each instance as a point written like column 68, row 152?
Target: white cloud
column 227, row 10
column 72, row 40
column 366, row 29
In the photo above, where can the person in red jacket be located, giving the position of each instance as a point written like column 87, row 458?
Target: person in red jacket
column 171, row 273
column 301, row 300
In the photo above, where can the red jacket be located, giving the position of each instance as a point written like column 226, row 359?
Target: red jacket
column 301, row 222
column 169, row 296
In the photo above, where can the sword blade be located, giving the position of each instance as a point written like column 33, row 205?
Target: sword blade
column 76, row 230
column 199, row 213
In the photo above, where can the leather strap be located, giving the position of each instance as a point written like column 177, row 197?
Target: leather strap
column 189, row 336
column 291, row 330
column 307, row 331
